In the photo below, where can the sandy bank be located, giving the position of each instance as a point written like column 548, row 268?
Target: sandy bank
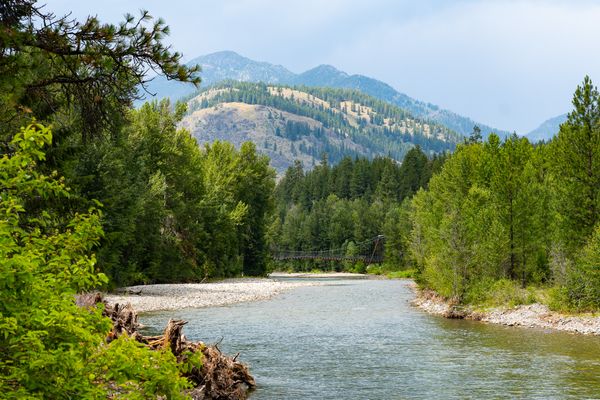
column 530, row 315
column 145, row 298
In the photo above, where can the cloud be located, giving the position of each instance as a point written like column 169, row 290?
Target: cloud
column 510, row 64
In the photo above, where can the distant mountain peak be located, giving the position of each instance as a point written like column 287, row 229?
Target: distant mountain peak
column 229, row 65
column 326, row 68
column 224, row 54
column 322, row 75
column 547, row 129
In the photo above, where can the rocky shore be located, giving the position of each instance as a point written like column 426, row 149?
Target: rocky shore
column 530, row 315
column 146, row 298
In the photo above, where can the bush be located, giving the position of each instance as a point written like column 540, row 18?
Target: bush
column 373, row 269
column 49, row 347
column 403, row 274
column 559, row 299
column 583, row 282
column 502, row 292
column 130, row 369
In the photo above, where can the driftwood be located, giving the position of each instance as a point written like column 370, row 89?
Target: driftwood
column 219, row 376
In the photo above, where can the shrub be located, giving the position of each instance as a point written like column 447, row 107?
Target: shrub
column 502, row 292
column 402, row 274
column 583, row 282
column 49, row 347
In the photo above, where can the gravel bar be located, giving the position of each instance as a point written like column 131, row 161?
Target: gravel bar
column 146, row 298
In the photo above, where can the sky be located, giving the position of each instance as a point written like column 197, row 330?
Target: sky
column 509, row 64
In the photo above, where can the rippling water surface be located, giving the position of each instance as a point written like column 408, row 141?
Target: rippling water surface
column 361, row 339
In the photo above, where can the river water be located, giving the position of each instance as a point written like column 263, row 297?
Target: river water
column 361, row 339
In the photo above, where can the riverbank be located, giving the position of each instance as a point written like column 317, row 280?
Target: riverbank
column 530, row 316
column 165, row 297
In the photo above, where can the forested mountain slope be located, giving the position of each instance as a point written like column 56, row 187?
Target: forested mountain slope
column 289, row 123
column 228, row 65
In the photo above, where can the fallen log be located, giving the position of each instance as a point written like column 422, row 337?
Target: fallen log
column 219, row 376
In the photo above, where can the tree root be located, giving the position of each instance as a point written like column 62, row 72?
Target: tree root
column 217, row 377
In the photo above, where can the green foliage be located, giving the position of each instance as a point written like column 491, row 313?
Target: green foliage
column 583, row 284
column 502, row 215
column 128, row 368
column 237, row 204
column 576, row 166
column 342, row 206
column 498, row 293
column 172, row 211
column 151, row 187
column 175, row 211
column 49, row 347
column 165, row 218
column 402, row 274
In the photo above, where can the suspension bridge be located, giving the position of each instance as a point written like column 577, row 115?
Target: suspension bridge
column 370, row 252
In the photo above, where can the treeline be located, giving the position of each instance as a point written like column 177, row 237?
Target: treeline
column 171, row 211
column 347, row 204
column 372, row 134
column 510, row 213
column 175, row 211
column 88, row 185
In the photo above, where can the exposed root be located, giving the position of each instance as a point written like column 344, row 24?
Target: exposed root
column 217, row 377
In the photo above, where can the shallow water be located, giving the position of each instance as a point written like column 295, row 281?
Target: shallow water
column 361, row 339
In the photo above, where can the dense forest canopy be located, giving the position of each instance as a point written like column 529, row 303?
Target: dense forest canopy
column 340, row 206
column 508, row 213
column 172, row 211
column 495, row 218
column 105, row 179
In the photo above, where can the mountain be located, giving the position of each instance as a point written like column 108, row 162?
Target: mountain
column 228, row 65
column 221, row 66
column 323, row 75
column 290, row 122
column 547, row 129
column 329, row 76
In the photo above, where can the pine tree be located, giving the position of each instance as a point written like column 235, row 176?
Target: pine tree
column 576, row 151
column 475, row 136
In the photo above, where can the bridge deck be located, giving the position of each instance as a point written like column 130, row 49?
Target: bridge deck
column 323, row 257
column 370, row 251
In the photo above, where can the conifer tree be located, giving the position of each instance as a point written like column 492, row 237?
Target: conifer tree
column 576, row 152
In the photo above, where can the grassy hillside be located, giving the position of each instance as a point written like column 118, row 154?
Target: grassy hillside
column 289, row 123
column 228, row 65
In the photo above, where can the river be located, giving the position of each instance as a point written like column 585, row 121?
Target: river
column 361, row 339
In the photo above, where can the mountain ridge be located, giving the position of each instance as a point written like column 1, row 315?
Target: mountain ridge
column 226, row 65
column 290, row 123
column 547, row 129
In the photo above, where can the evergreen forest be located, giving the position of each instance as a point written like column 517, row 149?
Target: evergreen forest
column 96, row 194
column 348, row 122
